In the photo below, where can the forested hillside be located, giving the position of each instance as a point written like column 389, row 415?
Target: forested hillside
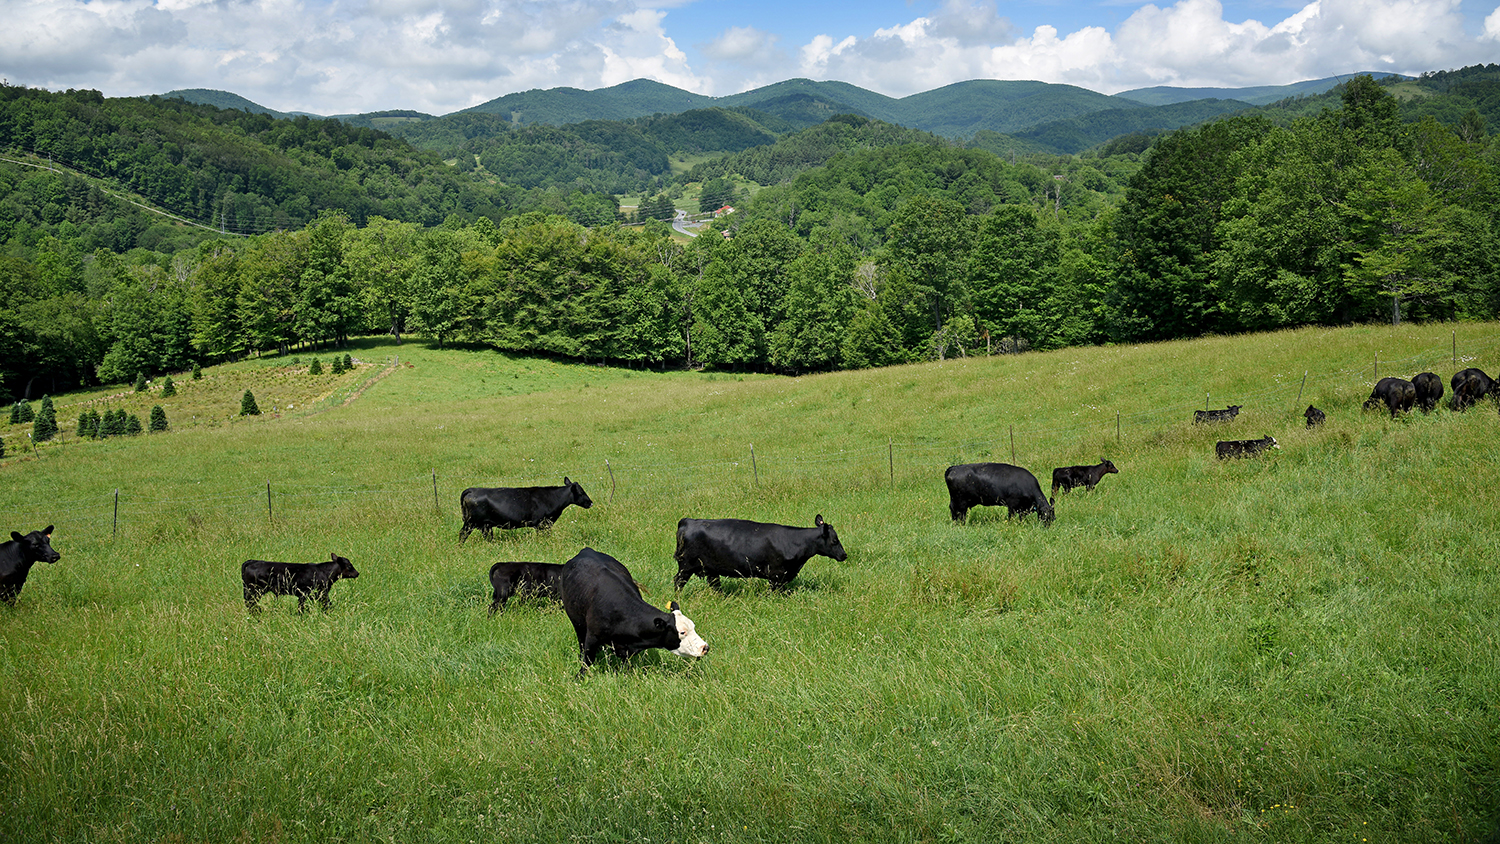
column 866, row 244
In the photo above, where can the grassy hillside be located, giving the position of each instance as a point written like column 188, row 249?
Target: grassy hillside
column 1294, row 648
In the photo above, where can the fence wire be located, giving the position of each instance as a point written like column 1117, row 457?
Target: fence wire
column 112, row 511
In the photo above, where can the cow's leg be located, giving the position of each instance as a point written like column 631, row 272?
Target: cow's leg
column 463, row 532
column 713, row 581
column 323, row 597
column 301, row 602
column 8, row 594
column 251, row 596
column 683, row 574
column 958, row 513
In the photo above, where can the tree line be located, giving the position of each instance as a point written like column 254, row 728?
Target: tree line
column 880, row 256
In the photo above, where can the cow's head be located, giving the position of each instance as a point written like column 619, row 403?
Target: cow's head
column 345, row 568
column 36, row 547
column 689, row 642
column 829, row 542
column 1107, row 467
column 1044, row 512
column 580, row 497
column 1271, row 442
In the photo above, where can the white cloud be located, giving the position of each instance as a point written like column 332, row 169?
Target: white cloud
column 1492, row 25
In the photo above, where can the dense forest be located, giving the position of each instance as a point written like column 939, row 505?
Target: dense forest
column 864, row 245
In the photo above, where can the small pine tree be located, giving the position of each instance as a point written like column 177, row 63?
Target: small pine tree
column 2, row 447
column 247, row 405
column 140, row 382
column 15, row 413
column 92, row 425
column 158, row 419
column 338, row 366
column 197, row 372
column 348, row 362
column 315, row 368
column 83, row 424
column 133, row 425
column 168, row 388
column 21, row 413
column 44, row 427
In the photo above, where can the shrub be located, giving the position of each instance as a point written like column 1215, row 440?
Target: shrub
column 168, row 388
column 133, row 425
column 21, row 413
column 89, row 424
column 197, row 372
column 112, row 424
column 2, row 447
column 44, row 427
column 315, row 368
column 338, row 365
column 247, row 405
column 140, row 382
column 158, row 419
column 348, row 362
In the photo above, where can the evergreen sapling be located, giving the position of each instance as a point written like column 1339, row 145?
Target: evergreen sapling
column 168, row 388
column 315, row 368
column 247, row 405
column 44, row 427
column 140, row 382
column 158, row 419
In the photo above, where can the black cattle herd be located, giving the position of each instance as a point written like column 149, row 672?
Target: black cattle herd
column 604, row 603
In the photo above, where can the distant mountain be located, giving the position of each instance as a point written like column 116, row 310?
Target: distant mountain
column 561, row 106
column 963, row 108
column 222, row 99
column 1077, row 134
column 1260, row 95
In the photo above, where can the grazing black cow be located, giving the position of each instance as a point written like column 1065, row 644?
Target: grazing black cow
column 1067, row 477
column 508, row 508
column 532, row 578
column 607, row 610
column 1395, row 393
column 1228, row 413
column 1244, row 448
column 714, row 548
column 1429, row 389
column 1314, row 416
column 17, row 557
column 305, row 580
column 994, row 484
column 1469, row 386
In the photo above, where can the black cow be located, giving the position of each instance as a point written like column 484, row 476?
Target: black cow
column 532, row 578
column 1429, row 389
column 305, row 580
column 508, row 508
column 1067, row 477
column 1314, row 416
column 994, row 484
column 1228, row 413
column 1395, row 393
column 607, row 611
column 18, row 555
column 1469, row 386
column 1244, row 448
column 714, row 548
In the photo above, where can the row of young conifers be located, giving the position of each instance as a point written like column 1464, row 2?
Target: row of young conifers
column 602, row 599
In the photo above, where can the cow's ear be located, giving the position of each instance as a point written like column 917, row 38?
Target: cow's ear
column 15, row 536
column 566, row 482
column 672, row 606
column 333, row 556
column 48, row 531
column 818, row 520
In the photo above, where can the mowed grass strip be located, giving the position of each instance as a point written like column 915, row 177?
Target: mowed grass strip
column 1296, row 647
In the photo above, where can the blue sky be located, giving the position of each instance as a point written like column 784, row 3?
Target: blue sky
column 438, row 56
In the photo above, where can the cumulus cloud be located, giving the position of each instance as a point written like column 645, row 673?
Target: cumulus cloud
column 342, row 56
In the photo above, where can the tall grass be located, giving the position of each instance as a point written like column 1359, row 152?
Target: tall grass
column 1298, row 647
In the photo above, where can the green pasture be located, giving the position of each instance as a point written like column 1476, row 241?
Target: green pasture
column 1300, row 647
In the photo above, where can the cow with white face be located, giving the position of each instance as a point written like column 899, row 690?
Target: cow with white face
column 607, row 611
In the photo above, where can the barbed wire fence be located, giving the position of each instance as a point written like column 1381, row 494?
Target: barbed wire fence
column 897, row 461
